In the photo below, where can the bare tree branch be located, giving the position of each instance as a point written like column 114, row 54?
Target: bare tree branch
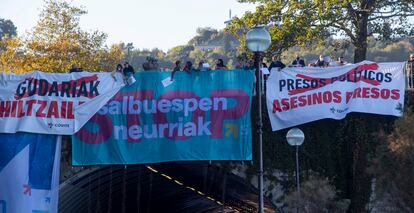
column 346, row 30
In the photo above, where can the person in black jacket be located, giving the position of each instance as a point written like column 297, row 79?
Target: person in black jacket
column 177, row 66
column 276, row 63
column 321, row 62
column 298, row 62
column 220, row 64
column 187, row 68
column 128, row 70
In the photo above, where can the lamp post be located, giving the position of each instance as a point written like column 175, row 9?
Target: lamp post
column 258, row 40
column 295, row 137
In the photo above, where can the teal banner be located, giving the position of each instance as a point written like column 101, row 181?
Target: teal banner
column 197, row 116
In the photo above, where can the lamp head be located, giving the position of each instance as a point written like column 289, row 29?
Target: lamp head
column 258, row 39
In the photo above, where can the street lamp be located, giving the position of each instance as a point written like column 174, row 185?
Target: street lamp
column 295, row 137
column 258, row 40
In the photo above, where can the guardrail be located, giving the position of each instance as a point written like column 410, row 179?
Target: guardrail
column 409, row 76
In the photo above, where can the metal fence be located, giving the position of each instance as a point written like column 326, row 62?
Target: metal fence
column 409, row 77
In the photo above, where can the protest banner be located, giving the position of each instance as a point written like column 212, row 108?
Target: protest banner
column 299, row 95
column 38, row 102
column 197, row 116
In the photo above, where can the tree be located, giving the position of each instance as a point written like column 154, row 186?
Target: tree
column 287, row 29
column 12, row 58
column 7, row 28
column 57, row 42
column 380, row 51
column 203, row 36
column 396, row 153
column 316, row 195
column 303, row 21
column 181, row 53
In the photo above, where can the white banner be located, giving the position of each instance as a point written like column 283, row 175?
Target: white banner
column 61, row 104
column 300, row 95
column 29, row 173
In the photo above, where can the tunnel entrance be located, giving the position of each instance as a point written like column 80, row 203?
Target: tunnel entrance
column 166, row 187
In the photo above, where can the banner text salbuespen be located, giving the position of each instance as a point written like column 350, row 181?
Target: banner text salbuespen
column 202, row 116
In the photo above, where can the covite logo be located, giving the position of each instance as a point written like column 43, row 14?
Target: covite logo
column 50, row 125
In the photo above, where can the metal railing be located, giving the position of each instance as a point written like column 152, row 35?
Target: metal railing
column 409, row 75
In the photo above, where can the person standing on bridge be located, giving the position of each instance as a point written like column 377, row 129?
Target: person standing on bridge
column 276, row 63
column 118, row 69
column 128, row 70
column 129, row 73
column 220, row 64
column 187, row 68
column 298, row 62
column 74, row 69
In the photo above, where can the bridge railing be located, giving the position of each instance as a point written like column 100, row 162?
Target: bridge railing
column 409, row 76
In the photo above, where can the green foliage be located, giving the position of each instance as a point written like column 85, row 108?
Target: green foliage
column 208, row 46
column 394, row 162
column 287, row 25
column 379, row 51
column 137, row 57
column 57, row 42
column 181, row 53
column 309, row 21
column 316, row 195
column 7, row 28
column 204, row 35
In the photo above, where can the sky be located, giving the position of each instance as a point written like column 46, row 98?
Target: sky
column 147, row 23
